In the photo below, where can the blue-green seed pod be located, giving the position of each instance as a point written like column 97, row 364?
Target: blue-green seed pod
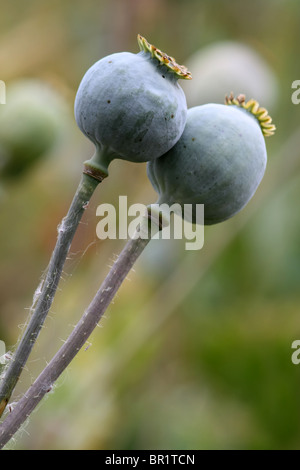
column 131, row 105
column 219, row 160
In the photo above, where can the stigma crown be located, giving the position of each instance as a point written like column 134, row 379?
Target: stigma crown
column 180, row 70
column 261, row 114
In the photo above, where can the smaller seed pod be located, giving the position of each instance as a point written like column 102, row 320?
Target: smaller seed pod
column 219, row 161
column 131, row 106
column 30, row 124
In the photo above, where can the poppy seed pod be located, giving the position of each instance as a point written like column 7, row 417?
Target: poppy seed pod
column 30, row 125
column 219, row 160
column 213, row 72
column 131, row 105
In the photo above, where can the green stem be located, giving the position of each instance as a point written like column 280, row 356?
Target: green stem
column 66, row 232
column 79, row 335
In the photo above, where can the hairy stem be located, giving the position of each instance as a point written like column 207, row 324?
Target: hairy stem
column 79, row 335
column 66, row 232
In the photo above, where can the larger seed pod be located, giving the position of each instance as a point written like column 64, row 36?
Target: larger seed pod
column 131, row 105
column 219, row 160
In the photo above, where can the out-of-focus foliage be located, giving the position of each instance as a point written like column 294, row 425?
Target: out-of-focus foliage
column 195, row 351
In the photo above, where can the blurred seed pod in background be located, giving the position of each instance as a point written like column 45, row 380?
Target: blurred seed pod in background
column 31, row 123
column 226, row 66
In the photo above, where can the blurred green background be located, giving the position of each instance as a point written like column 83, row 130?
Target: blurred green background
column 195, row 351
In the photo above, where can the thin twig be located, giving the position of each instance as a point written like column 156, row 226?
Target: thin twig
column 66, row 232
column 79, row 335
